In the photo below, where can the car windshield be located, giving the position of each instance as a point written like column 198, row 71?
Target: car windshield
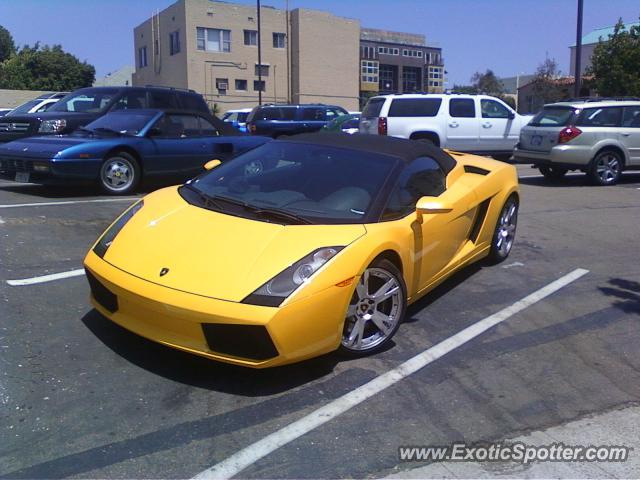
column 553, row 117
column 373, row 107
column 87, row 100
column 125, row 123
column 25, row 107
column 242, row 116
column 315, row 183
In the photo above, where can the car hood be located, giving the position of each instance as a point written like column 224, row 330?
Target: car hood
column 43, row 147
column 212, row 254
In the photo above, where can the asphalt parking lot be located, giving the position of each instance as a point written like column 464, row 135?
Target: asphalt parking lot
column 81, row 397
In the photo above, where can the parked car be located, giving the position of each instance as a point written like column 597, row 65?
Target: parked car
column 4, row 111
column 276, row 120
column 121, row 148
column 38, row 105
column 237, row 118
column 344, row 123
column 322, row 252
column 466, row 123
column 600, row 138
column 87, row 104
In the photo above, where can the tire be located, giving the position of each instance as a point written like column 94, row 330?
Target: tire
column 504, row 233
column 552, row 173
column 605, row 168
column 119, row 174
column 427, row 138
column 370, row 324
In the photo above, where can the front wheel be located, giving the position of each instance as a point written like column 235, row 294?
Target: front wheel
column 377, row 307
column 552, row 173
column 505, row 231
column 119, row 174
column 605, row 168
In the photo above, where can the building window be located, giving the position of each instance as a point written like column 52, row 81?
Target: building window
column 222, row 84
column 258, row 85
column 368, row 53
column 264, row 72
column 142, row 57
column 241, row 85
column 428, row 57
column 213, row 39
column 251, row 37
column 411, row 53
column 387, row 78
column 411, row 80
column 369, row 71
column 279, row 40
column 174, row 42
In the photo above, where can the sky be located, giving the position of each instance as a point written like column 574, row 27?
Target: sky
column 508, row 36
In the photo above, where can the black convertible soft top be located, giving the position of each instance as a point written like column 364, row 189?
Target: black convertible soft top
column 406, row 150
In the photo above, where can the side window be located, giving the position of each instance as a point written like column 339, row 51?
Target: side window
column 462, row 108
column 493, row 109
column 162, row 100
column 422, row 177
column 179, row 126
column 600, row 117
column 317, row 114
column 631, row 117
column 207, row 129
column 415, row 107
column 330, row 114
column 131, row 100
column 192, row 102
column 45, row 107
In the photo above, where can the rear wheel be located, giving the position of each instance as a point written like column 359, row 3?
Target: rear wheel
column 376, row 310
column 119, row 174
column 552, row 173
column 605, row 168
column 505, row 231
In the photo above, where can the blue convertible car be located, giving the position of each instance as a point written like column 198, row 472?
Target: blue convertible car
column 120, row 148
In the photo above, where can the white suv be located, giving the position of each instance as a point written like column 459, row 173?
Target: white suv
column 600, row 138
column 467, row 123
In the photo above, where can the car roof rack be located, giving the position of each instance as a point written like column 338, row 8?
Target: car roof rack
column 603, row 99
column 168, row 87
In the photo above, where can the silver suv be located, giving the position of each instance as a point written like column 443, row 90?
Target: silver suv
column 600, row 138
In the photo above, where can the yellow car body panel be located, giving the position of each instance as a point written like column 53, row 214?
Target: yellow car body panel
column 215, row 260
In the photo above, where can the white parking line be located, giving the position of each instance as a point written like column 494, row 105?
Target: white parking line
column 542, row 176
column 46, row 278
column 260, row 449
column 68, row 202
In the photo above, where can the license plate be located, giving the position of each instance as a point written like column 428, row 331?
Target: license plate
column 22, row 177
column 536, row 140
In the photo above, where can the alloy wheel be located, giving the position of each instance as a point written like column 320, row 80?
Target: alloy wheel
column 608, row 168
column 117, row 174
column 506, row 228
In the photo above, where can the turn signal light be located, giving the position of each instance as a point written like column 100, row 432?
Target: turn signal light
column 382, row 125
column 568, row 133
column 345, row 283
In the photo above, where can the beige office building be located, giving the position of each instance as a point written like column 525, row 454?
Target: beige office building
column 308, row 56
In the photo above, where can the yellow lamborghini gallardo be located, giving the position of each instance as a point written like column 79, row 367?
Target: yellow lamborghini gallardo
column 300, row 247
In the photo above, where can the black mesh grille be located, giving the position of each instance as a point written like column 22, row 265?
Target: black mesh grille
column 245, row 341
column 102, row 294
column 15, row 165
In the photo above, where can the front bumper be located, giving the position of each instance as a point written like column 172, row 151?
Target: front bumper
column 574, row 157
column 59, row 171
column 298, row 330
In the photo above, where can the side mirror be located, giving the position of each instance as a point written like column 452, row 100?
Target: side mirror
column 211, row 164
column 430, row 205
column 511, row 115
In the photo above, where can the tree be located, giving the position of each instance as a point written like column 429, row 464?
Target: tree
column 487, row 83
column 546, row 87
column 7, row 47
column 465, row 89
column 615, row 63
column 45, row 68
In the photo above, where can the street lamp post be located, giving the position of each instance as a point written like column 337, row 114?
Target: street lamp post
column 259, row 59
column 578, row 65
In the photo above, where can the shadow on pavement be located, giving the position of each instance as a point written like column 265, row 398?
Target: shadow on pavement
column 577, row 181
column 627, row 293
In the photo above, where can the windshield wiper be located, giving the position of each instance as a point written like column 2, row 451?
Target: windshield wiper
column 207, row 200
column 277, row 213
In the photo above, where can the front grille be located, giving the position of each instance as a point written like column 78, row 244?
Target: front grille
column 18, row 127
column 15, row 165
column 246, row 341
column 102, row 294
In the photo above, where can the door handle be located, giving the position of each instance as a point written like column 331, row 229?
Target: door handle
column 625, row 134
column 454, row 124
column 487, row 125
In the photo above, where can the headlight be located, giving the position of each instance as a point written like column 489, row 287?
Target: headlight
column 274, row 292
column 107, row 237
column 52, row 126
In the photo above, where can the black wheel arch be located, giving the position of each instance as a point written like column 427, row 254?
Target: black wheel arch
column 126, row 149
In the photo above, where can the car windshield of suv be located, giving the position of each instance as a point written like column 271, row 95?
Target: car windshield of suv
column 553, row 117
column 121, row 123
column 25, row 107
column 89, row 101
column 295, row 183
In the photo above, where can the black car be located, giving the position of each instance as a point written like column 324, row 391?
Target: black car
column 276, row 120
column 87, row 104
